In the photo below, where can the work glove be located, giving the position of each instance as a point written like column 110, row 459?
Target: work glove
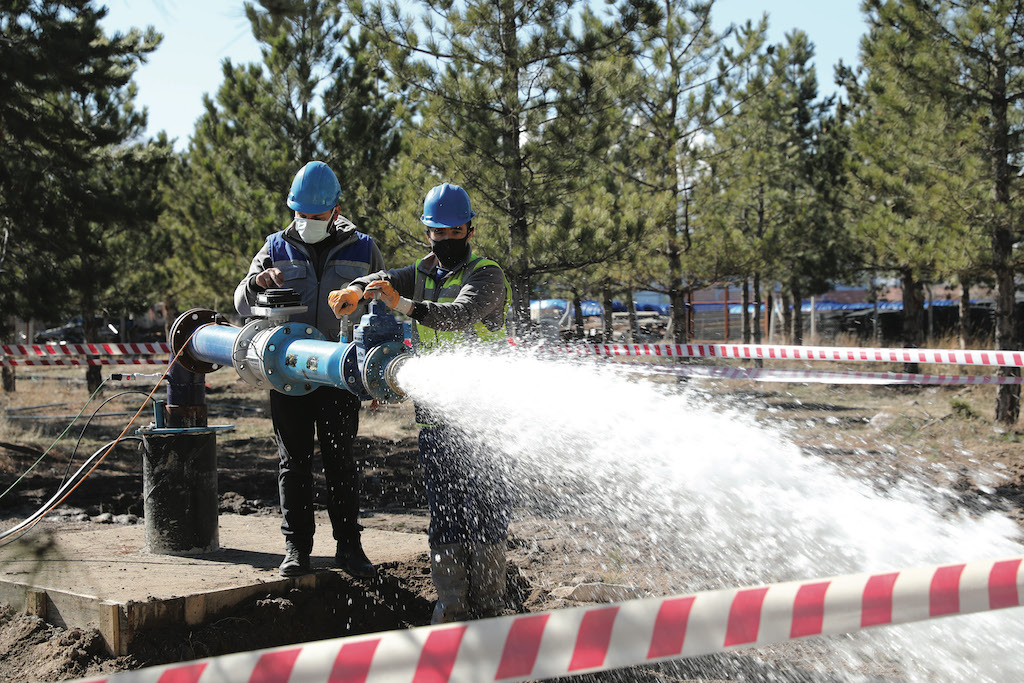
column 382, row 291
column 344, row 301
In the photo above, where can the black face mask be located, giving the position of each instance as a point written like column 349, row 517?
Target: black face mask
column 450, row 252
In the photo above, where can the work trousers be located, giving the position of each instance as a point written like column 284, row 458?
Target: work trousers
column 469, row 498
column 333, row 414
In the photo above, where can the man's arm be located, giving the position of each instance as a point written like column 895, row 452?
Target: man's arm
column 402, row 279
column 482, row 295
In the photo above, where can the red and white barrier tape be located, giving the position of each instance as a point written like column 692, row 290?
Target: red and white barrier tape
column 590, row 639
column 769, row 352
column 818, row 376
column 13, row 362
column 150, row 349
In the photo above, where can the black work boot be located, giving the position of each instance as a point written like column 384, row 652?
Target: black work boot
column 296, row 561
column 351, row 558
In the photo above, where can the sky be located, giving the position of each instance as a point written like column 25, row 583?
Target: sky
column 200, row 34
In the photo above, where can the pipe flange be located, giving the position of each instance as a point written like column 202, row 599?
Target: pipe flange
column 377, row 360
column 181, row 332
column 240, row 350
column 351, row 375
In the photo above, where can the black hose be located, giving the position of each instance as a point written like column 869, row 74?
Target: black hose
column 86, row 426
column 9, row 535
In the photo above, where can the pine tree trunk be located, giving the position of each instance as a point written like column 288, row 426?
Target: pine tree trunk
column 758, row 363
column 1008, row 396
column 631, row 310
column 756, row 314
column 606, row 305
column 577, row 314
column 93, row 377
column 515, row 190
column 913, row 314
column 787, row 318
column 8, row 378
column 798, row 316
column 677, row 299
column 964, row 327
column 746, row 311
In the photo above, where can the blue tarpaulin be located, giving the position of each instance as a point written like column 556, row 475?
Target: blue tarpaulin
column 590, row 307
column 593, row 308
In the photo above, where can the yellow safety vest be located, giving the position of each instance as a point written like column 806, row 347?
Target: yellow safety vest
column 446, row 291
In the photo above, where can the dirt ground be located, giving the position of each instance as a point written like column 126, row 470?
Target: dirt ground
column 947, row 432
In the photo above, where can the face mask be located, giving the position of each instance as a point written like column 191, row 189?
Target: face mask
column 311, row 231
column 451, row 252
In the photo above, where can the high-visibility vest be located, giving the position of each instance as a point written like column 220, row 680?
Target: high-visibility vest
column 445, row 291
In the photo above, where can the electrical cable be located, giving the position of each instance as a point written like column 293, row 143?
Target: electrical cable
column 55, row 441
column 89, row 421
column 57, row 499
column 8, row 535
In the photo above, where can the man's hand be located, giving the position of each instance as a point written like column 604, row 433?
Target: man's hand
column 270, row 277
column 383, row 291
column 344, row 301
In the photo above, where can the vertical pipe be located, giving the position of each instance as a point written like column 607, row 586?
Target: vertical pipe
column 179, row 483
column 179, row 472
column 186, row 398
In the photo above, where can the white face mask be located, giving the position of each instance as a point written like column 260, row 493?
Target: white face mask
column 311, row 231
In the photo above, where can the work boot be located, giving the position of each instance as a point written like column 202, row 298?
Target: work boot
column 487, row 580
column 351, row 558
column 296, row 561
column 450, row 572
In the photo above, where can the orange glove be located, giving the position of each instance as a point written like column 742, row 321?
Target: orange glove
column 383, row 291
column 344, row 301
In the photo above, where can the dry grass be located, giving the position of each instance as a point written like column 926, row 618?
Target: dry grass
column 948, row 424
column 46, row 400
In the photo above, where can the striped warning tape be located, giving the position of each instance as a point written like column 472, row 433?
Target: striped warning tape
column 14, row 362
column 739, row 351
column 770, row 352
column 817, row 376
column 63, row 349
column 590, row 639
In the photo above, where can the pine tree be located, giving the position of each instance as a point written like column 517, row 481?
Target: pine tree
column 78, row 195
column 518, row 96
column 319, row 94
column 811, row 246
column 667, row 119
column 773, row 199
column 745, row 201
column 954, row 72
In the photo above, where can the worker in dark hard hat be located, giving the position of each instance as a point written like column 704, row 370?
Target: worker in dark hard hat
column 452, row 295
column 319, row 251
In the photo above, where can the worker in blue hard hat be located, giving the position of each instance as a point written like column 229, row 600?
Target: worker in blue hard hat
column 319, row 251
column 453, row 296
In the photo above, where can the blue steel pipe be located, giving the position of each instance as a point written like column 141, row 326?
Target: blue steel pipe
column 316, row 361
column 213, row 344
column 294, row 358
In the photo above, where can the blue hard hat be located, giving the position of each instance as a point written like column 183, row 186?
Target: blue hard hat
column 446, row 206
column 315, row 189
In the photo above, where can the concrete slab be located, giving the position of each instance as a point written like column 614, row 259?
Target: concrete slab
column 102, row 576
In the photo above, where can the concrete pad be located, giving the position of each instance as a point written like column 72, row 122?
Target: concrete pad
column 102, row 576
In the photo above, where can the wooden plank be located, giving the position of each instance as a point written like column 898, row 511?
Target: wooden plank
column 119, row 623
column 35, row 603
column 110, row 628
